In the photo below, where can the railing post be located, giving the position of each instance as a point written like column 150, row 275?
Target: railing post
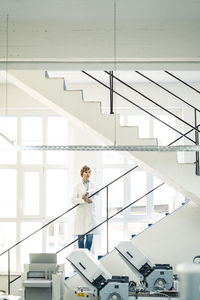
column 107, row 229
column 111, row 93
column 197, row 143
column 8, row 272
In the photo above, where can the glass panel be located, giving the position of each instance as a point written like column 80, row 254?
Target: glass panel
column 163, row 133
column 31, row 197
column 56, row 191
column 115, row 191
column 57, row 157
column 103, row 237
column 58, row 236
column 31, row 134
column 31, row 130
column 31, row 157
column 57, row 134
column 32, row 244
column 7, row 239
column 8, row 127
column 142, row 122
column 8, row 192
column 138, row 189
column 115, row 234
column 57, row 130
column 112, row 157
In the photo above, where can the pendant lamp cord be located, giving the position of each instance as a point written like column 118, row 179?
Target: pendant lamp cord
column 114, row 83
column 7, row 24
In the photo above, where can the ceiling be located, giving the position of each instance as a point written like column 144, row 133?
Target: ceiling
column 75, row 34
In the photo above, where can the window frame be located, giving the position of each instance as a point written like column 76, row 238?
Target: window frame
column 20, row 218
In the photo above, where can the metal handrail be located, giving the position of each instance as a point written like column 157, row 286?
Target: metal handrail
column 61, row 215
column 103, row 222
column 188, row 85
column 180, row 137
column 30, row 235
column 195, row 127
column 144, row 110
column 168, row 91
column 47, row 224
column 152, row 101
column 109, row 218
column 197, row 162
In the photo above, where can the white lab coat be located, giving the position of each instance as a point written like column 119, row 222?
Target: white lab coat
column 85, row 215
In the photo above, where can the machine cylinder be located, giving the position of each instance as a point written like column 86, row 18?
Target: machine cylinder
column 189, row 281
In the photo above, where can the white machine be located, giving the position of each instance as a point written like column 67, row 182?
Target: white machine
column 43, row 278
column 158, row 277
column 89, row 269
column 156, row 280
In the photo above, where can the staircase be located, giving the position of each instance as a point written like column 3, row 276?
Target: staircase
column 88, row 115
column 175, row 238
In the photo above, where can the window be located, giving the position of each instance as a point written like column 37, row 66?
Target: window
column 31, row 134
column 138, row 188
column 8, row 125
column 57, row 236
column 31, row 194
column 115, row 191
column 56, row 191
column 31, row 190
column 36, row 186
column 8, row 193
column 33, row 244
column 57, row 134
column 7, row 239
column 112, row 157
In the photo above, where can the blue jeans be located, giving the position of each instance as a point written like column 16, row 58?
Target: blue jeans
column 82, row 243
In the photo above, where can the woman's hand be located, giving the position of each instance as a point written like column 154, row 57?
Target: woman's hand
column 87, row 200
column 84, row 196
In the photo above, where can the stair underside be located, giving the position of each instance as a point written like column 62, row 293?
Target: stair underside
column 164, row 165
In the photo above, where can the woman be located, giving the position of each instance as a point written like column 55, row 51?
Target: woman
column 85, row 216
